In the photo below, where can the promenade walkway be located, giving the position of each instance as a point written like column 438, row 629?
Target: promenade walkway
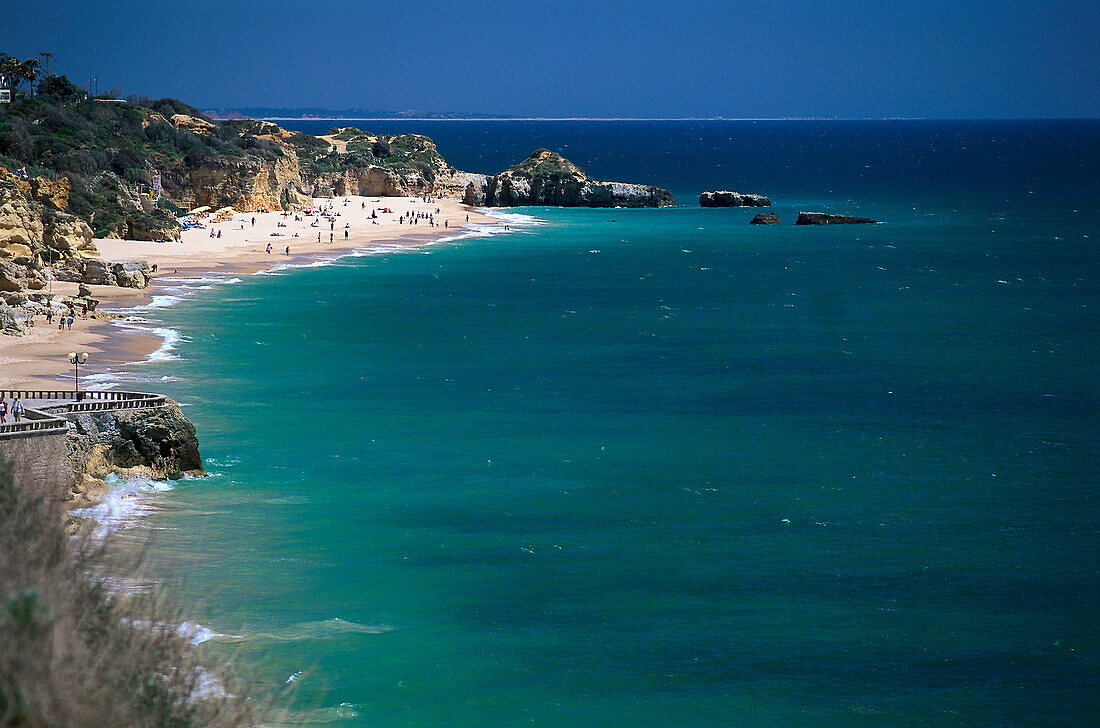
column 48, row 411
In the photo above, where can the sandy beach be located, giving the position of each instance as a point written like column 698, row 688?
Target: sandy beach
column 39, row 359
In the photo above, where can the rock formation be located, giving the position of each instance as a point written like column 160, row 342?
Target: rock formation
column 546, row 178
column 821, row 218
column 35, row 231
column 725, row 198
column 766, row 218
column 156, row 443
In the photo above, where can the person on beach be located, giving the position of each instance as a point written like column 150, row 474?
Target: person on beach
column 253, row 222
column 70, row 322
column 345, row 233
column 288, row 250
column 318, row 236
column 467, row 218
column 219, row 235
column 17, row 409
column 269, row 248
column 49, row 313
column 3, row 411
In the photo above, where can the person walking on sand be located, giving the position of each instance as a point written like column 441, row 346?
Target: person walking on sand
column 288, row 250
column 253, row 221
column 69, row 322
column 318, row 236
column 345, row 233
column 269, row 248
column 17, row 410
column 330, row 236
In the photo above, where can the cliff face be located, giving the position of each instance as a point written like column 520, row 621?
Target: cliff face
column 155, row 443
column 546, row 178
column 35, row 230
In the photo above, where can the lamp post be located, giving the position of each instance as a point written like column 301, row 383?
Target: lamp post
column 76, row 360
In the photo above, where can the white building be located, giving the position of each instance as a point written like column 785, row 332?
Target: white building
column 5, row 90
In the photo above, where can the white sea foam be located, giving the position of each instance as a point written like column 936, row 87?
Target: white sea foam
column 126, row 501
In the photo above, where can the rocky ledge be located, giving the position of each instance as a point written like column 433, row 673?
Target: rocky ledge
column 821, row 218
column 547, row 178
column 725, row 198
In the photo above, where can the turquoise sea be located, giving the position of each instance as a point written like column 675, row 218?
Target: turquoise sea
column 650, row 468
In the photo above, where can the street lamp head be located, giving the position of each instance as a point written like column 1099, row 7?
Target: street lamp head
column 72, row 357
column 83, row 357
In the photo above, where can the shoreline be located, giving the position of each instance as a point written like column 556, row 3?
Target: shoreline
column 39, row 359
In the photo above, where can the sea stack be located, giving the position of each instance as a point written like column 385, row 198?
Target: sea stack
column 547, row 178
column 766, row 218
column 821, row 218
column 725, row 198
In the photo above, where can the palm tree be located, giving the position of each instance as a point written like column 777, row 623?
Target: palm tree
column 48, row 56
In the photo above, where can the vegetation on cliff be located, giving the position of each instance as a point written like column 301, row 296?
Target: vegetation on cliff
column 72, row 653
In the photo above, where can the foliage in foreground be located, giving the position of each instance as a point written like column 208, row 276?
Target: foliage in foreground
column 73, row 654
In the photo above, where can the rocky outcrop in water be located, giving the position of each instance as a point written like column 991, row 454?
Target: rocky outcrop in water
column 547, row 178
column 156, row 443
column 725, row 198
column 766, row 218
column 821, row 218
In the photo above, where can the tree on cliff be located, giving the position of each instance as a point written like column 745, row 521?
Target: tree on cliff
column 19, row 72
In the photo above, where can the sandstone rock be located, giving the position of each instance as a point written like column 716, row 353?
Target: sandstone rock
column 12, row 277
column 131, row 273
column 821, row 218
column 766, row 218
column 97, row 272
column 193, row 124
column 83, row 291
column 725, row 198
column 17, row 252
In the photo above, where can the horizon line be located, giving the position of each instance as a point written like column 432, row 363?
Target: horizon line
column 665, row 118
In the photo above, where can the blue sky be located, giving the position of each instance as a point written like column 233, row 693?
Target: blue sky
column 784, row 58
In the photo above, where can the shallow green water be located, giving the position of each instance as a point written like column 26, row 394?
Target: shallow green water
column 666, row 470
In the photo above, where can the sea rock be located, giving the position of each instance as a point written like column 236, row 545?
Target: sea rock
column 725, row 198
column 83, row 291
column 766, row 218
column 547, row 178
column 821, row 218
column 158, row 443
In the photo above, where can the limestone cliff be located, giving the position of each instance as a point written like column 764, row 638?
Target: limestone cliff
column 35, row 230
column 546, row 178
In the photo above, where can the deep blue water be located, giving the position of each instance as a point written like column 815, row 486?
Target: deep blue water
column 660, row 467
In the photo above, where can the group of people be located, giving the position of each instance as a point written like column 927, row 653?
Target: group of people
column 17, row 410
column 64, row 317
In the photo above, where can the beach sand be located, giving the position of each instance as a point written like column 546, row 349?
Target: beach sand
column 39, row 359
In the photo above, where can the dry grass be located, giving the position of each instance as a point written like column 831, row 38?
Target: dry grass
column 73, row 654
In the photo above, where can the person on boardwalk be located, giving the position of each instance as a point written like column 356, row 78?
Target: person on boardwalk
column 3, row 411
column 17, row 409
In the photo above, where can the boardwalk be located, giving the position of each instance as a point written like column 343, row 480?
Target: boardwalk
column 49, row 411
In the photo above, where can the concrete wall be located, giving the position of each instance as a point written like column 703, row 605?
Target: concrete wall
column 38, row 464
